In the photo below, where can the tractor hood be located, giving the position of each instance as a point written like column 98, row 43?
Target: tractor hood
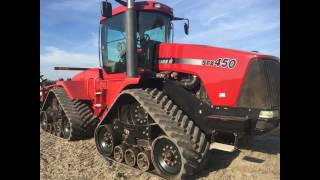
column 230, row 77
column 203, row 52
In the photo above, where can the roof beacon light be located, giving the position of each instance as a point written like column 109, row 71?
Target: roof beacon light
column 157, row 5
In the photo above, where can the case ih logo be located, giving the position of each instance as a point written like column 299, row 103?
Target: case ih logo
column 166, row 61
column 221, row 62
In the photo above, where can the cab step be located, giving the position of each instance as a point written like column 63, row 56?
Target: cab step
column 98, row 93
column 223, row 147
column 228, row 118
column 98, row 105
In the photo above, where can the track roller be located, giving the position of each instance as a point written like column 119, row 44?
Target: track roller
column 130, row 156
column 50, row 128
column 58, row 128
column 118, row 153
column 144, row 161
column 54, row 128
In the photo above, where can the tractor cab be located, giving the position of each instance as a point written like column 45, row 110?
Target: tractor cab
column 154, row 26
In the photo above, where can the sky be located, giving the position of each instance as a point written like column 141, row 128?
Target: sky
column 69, row 29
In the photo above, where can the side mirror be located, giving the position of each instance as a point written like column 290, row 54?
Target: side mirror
column 186, row 24
column 106, row 9
column 186, row 28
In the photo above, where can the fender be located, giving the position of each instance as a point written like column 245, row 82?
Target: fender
column 74, row 89
column 113, row 109
column 122, row 97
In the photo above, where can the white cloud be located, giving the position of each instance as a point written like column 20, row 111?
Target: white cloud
column 234, row 29
column 89, row 45
column 53, row 56
column 236, row 24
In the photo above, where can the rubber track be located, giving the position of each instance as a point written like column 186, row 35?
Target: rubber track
column 198, row 138
column 192, row 143
column 89, row 121
column 73, row 112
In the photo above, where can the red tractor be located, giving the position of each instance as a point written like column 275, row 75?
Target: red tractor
column 158, row 105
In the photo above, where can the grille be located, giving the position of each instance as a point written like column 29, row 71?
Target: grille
column 261, row 88
column 272, row 77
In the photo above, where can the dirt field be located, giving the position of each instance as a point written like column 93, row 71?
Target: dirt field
column 80, row 160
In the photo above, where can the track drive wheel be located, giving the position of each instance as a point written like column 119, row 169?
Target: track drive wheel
column 66, row 128
column 106, row 139
column 166, row 157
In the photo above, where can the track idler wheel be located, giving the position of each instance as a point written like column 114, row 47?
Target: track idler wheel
column 106, row 139
column 144, row 161
column 44, row 123
column 118, row 153
column 166, row 157
column 66, row 128
column 130, row 156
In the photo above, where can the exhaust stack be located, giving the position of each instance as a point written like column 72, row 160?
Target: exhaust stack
column 131, row 32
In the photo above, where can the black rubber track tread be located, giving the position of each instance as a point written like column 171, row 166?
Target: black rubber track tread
column 195, row 134
column 89, row 121
column 71, row 113
column 198, row 137
column 178, row 116
column 159, row 96
column 168, row 105
column 190, row 127
column 150, row 100
column 164, row 101
column 153, row 92
column 73, row 110
column 183, row 122
column 173, row 111
column 85, row 112
column 86, row 115
column 80, row 105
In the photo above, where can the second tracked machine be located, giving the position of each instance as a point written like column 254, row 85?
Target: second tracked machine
column 160, row 106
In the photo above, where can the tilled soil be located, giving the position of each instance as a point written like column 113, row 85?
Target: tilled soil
column 80, row 160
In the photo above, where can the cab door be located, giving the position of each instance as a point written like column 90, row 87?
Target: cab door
column 113, row 55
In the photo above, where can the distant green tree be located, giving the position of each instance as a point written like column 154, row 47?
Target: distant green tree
column 45, row 82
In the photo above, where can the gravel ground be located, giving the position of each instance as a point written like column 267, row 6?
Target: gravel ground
column 80, row 161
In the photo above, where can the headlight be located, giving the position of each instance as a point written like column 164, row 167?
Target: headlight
column 269, row 114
